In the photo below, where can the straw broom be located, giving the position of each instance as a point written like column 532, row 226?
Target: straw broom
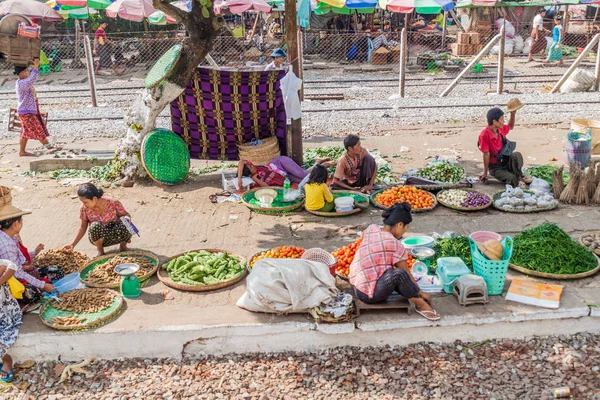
column 568, row 195
column 582, row 194
column 557, row 182
column 596, row 198
column 591, row 180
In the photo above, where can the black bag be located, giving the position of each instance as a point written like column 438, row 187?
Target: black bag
column 508, row 147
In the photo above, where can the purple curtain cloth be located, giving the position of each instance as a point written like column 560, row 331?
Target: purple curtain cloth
column 221, row 109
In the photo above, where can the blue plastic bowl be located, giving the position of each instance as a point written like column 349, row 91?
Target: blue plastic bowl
column 67, row 283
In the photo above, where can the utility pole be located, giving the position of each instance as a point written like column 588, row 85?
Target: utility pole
column 294, row 54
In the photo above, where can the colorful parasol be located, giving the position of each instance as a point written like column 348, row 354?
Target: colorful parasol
column 75, row 4
column 240, row 6
column 324, row 8
column 422, row 6
column 160, row 18
column 133, row 10
column 31, row 9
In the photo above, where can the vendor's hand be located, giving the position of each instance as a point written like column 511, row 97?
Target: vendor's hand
column 483, row 178
column 426, row 297
column 39, row 248
column 27, row 267
column 366, row 189
column 48, row 287
column 69, row 247
column 36, row 63
column 95, row 53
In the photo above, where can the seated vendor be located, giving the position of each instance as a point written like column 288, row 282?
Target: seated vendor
column 276, row 171
column 356, row 169
column 506, row 169
column 380, row 265
column 102, row 215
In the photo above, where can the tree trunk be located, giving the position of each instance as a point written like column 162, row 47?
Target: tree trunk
column 142, row 114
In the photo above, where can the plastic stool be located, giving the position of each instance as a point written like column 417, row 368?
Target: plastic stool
column 470, row 289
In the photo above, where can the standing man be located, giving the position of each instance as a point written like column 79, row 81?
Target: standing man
column 102, row 49
column 278, row 56
column 538, row 40
column 356, row 169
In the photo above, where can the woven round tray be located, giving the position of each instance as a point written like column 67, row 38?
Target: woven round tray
column 164, row 277
column 442, row 186
column 414, row 210
column 162, row 67
column 361, row 200
column 248, row 200
column 165, row 157
column 531, row 272
column 262, row 154
column 115, row 285
column 93, row 320
column 497, row 195
column 584, row 234
column 458, row 208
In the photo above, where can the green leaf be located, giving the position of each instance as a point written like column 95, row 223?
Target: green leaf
column 205, row 13
column 208, row 4
column 203, row 2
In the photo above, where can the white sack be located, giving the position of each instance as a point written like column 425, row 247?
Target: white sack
column 519, row 45
column 580, row 81
column 287, row 285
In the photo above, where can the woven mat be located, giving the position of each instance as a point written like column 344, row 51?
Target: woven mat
column 165, row 157
column 220, row 110
column 163, row 66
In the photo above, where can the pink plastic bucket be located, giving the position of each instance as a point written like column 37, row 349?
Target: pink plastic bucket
column 482, row 236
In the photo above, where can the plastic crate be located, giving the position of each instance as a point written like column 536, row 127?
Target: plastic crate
column 449, row 270
column 493, row 272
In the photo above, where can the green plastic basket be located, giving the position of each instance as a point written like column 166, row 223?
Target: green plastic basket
column 165, row 157
column 493, row 272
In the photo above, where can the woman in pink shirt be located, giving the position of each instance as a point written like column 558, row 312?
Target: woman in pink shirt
column 28, row 109
column 380, row 265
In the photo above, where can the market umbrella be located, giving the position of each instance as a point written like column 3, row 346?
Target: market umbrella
column 422, row 6
column 74, row 4
column 31, row 9
column 133, row 10
column 324, row 8
column 475, row 3
column 160, row 18
column 240, row 6
column 78, row 13
column 359, row 4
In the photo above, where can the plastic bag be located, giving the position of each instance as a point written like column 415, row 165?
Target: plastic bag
column 578, row 148
column 540, row 184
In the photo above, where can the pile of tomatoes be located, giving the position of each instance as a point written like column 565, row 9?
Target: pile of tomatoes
column 411, row 261
column 417, row 198
column 279, row 252
column 345, row 256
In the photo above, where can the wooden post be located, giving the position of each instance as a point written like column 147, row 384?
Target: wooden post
column 403, row 54
column 293, row 53
column 576, row 63
column 457, row 21
column 89, row 61
column 479, row 56
column 500, row 82
column 300, row 61
column 566, row 19
column 597, row 80
column 444, row 31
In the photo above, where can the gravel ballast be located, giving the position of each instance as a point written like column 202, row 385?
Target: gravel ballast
column 506, row 369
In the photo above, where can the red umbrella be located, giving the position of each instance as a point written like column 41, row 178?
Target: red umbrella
column 31, row 9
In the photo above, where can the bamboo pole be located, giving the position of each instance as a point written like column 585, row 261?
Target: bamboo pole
column 479, row 56
column 90, row 68
column 291, row 38
column 444, row 31
column 403, row 55
column 457, row 21
column 597, row 80
column 576, row 63
column 500, row 82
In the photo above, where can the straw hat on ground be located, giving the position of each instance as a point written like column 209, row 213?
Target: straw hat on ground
column 514, row 105
column 10, row 211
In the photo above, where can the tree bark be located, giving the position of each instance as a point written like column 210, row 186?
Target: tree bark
column 141, row 116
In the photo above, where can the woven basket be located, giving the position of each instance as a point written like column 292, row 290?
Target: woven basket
column 458, row 208
column 580, row 240
column 165, row 157
column 413, row 210
column 271, row 210
column 262, row 154
column 5, row 196
column 20, row 50
column 93, row 320
column 163, row 66
column 443, row 186
column 492, row 271
column 531, row 272
column 497, row 195
column 115, row 285
column 164, row 277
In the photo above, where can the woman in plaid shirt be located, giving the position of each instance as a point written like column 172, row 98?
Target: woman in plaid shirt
column 380, row 265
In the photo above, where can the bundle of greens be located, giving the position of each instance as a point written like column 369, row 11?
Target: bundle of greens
column 549, row 249
column 443, row 171
column 311, row 155
column 545, row 172
column 457, row 246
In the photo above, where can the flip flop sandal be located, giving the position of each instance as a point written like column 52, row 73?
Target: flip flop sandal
column 10, row 376
column 213, row 198
column 423, row 314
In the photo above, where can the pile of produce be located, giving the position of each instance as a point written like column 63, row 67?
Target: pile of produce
column 545, row 172
column 85, row 300
column 549, row 249
column 443, row 171
column 457, row 246
column 491, row 249
column 417, row 198
column 70, row 261
column 104, row 274
column 69, row 320
column 279, row 252
column 520, row 200
column 345, row 256
column 591, row 241
column 204, row 268
column 463, row 198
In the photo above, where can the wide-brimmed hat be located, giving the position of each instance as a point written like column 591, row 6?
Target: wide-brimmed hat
column 514, row 105
column 10, row 211
column 278, row 53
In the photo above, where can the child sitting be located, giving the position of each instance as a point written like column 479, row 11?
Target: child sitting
column 318, row 195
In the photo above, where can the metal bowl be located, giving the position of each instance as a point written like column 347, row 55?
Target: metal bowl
column 422, row 253
column 127, row 269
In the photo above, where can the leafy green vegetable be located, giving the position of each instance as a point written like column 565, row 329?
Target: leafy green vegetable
column 545, row 172
column 457, row 246
column 549, row 249
column 101, row 173
column 442, row 171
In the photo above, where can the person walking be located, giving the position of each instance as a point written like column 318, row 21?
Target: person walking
column 555, row 53
column 102, row 50
column 538, row 40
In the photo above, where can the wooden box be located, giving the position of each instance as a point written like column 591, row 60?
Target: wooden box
column 380, row 56
column 20, row 50
column 463, row 38
column 395, row 55
column 475, row 38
